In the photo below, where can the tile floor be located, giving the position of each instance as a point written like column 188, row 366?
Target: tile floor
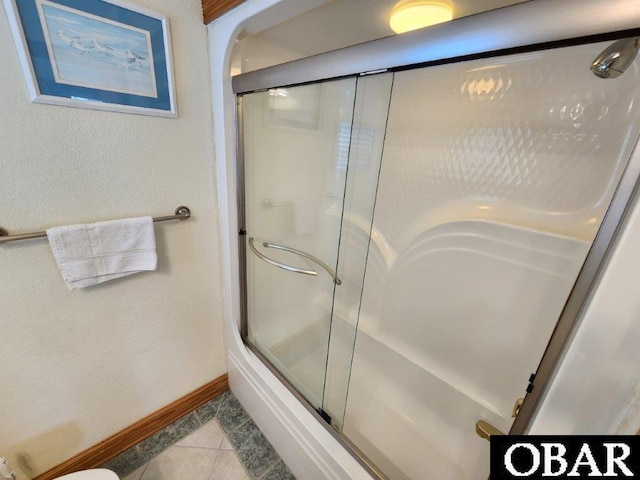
column 218, row 441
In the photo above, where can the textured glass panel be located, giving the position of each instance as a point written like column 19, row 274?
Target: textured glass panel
column 495, row 177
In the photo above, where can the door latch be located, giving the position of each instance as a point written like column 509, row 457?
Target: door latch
column 486, row 430
column 516, row 407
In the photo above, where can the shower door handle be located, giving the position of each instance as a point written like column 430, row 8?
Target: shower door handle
column 275, row 263
column 486, row 430
column 291, row 268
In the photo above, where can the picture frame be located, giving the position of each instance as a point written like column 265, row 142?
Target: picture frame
column 99, row 54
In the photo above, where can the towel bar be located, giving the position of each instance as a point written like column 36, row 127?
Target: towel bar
column 182, row 213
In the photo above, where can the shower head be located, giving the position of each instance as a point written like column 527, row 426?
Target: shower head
column 616, row 58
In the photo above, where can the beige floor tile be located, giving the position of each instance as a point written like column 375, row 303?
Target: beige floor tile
column 181, row 462
column 208, row 436
column 228, row 467
column 226, row 444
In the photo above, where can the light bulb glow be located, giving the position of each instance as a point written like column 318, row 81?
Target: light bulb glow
column 413, row 14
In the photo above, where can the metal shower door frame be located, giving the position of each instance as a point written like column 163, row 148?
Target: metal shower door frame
column 495, row 33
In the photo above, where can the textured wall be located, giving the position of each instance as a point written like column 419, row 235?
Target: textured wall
column 77, row 366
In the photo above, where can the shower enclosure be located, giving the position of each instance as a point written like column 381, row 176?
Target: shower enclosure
column 410, row 237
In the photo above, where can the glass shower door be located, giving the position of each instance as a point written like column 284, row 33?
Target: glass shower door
column 412, row 238
column 296, row 143
column 495, row 178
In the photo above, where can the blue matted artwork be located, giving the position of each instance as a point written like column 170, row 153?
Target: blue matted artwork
column 95, row 54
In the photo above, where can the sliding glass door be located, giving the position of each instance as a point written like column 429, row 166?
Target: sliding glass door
column 412, row 239
column 495, row 179
column 295, row 165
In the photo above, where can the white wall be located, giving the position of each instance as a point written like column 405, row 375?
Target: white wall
column 78, row 366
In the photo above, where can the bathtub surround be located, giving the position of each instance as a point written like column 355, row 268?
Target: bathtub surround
column 247, row 379
column 206, row 444
column 475, row 245
column 86, row 364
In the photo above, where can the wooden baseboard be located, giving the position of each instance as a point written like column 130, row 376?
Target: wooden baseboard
column 130, row 436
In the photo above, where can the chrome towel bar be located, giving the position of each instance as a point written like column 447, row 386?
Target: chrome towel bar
column 182, row 213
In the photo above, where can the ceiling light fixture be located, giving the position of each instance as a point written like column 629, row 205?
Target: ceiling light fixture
column 409, row 15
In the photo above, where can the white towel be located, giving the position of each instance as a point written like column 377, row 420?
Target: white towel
column 306, row 215
column 94, row 253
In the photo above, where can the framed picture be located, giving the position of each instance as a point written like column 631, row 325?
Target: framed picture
column 106, row 55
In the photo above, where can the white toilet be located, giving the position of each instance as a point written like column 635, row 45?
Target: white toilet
column 93, row 474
